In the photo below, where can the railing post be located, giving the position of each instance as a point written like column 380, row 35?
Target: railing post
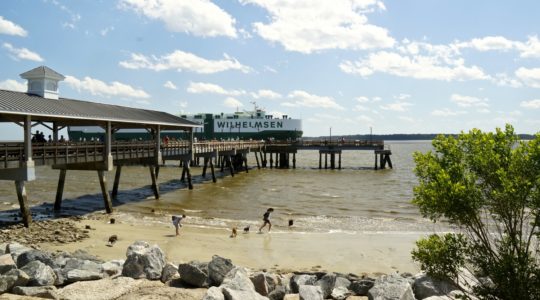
column 107, row 153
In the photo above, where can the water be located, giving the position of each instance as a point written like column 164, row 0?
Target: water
column 354, row 199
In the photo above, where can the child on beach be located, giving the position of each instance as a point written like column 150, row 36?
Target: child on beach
column 176, row 222
column 266, row 219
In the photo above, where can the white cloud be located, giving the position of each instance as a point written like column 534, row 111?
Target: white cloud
column 468, row 101
column 170, row 85
column 106, row 31
column 8, row 27
column 530, row 49
column 22, row 53
column 98, row 87
column 268, row 94
column 445, row 112
column 198, row 17
column 302, row 98
column 489, row 43
column 433, row 67
column 503, row 79
column 13, row 85
column 311, row 26
column 210, row 88
column 362, row 99
column 269, row 69
column 232, row 102
column 535, row 104
column 180, row 60
column 531, row 77
column 396, row 106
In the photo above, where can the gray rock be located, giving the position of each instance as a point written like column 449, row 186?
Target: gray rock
column 231, row 294
column 310, row 292
column 340, row 293
column 48, row 292
column 15, row 249
column 361, row 287
column 169, row 272
column 84, row 255
column 79, row 270
column 22, row 277
column 259, row 282
column 237, row 279
column 107, row 288
column 33, row 255
column 424, row 286
column 60, row 277
column 144, row 261
column 342, row 282
column 277, row 294
column 298, row 280
column 214, row 293
column 7, row 282
column 391, row 287
column 6, row 263
column 40, row 274
column 113, row 267
column 271, row 281
column 194, row 273
column 218, row 268
column 3, row 248
column 82, row 275
column 327, row 283
column 79, row 264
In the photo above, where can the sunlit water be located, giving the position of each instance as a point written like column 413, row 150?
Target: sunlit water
column 353, row 199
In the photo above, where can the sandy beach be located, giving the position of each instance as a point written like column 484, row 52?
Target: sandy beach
column 359, row 253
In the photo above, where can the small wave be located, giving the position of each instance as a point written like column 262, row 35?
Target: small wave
column 195, row 211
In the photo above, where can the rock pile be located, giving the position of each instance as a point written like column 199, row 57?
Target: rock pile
column 61, row 231
column 145, row 272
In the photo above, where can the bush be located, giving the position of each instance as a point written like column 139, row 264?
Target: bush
column 488, row 185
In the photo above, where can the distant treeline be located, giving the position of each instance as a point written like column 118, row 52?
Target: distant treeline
column 399, row 136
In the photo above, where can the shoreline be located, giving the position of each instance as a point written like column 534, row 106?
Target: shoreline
column 359, row 253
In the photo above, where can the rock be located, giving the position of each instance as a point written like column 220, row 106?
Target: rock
column 424, row 286
column 231, row 294
column 169, row 272
column 48, row 292
column 214, row 293
column 310, row 292
column 271, row 281
column 6, row 263
column 342, row 282
column 79, row 270
column 144, row 261
column 194, row 273
column 3, row 248
column 298, row 280
column 326, row 283
column 40, row 274
column 340, row 293
column 7, row 282
column 82, row 275
column 218, row 268
column 292, row 297
column 391, row 287
column 113, row 267
column 259, row 282
column 237, row 285
column 150, row 292
column 361, row 287
column 21, row 278
column 357, row 298
column 277, row 294
column 33, row 255
column 15, row 249
column 102, row 289
column 84, row 255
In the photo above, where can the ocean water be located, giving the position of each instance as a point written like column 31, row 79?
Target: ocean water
column 353, row 199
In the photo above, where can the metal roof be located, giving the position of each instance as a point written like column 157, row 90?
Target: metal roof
column 42, row 71
column 78, row 112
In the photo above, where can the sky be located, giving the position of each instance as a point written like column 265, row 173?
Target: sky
column 345, row 66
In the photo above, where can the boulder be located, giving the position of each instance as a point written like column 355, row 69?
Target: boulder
column 84, row 255
column 21, row 278
column 33, row 255
column 194, row 273
column 40, row 274
column 144, row 261
column 361, row 287
column 310, row 292
column 342, row 282
column 3, row 248
column 259, row 282
column 326, row 283
column 6, row 263
column 214, row 293
column 169, row 272
column 82, row 275
column 218, row 268
column 425, row 286
column 271, row 281
column 7, row 282
column 107, row 288
column 303, row 279
column 48, row 292
column 15, row 249
column 340, row 293
column 237, row 285
column 391, row 287
column 277, row 294
column 79, row 270
column 231, row 294
column 113, row 267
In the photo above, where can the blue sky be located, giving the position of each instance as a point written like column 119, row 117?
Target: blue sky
column 417, row 66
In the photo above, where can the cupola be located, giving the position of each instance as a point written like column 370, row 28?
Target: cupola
column 43, row 81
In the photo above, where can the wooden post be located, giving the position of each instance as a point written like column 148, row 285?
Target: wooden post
column 325, row 161
column 60, row 190
column 188, row 173
column 23, row 203
column 257, row 159
column 212, row 169
column 339, row 161
column 375, row 160
column 333, row 160
column 320, row 160
column 265, row 162
column 108, row 147
column 244, row 158
column 294, row 160
column 155, row 187
column 230, row 165
column 389, row 161
column 381, row 161
column 104, row 191
column 204, row 167
column 157, row 171
column 116, row 181
column 271, row 160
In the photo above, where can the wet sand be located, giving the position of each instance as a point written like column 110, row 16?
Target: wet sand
column 280, row 250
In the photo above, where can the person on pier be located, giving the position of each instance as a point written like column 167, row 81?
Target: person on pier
column 266, row 220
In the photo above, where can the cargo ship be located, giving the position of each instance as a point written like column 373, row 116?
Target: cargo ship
column 244, row 125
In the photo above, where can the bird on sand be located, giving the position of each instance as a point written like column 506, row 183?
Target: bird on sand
column 112, row 239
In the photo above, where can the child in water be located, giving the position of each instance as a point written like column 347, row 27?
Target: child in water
column 176, row 222
column 266, row 219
